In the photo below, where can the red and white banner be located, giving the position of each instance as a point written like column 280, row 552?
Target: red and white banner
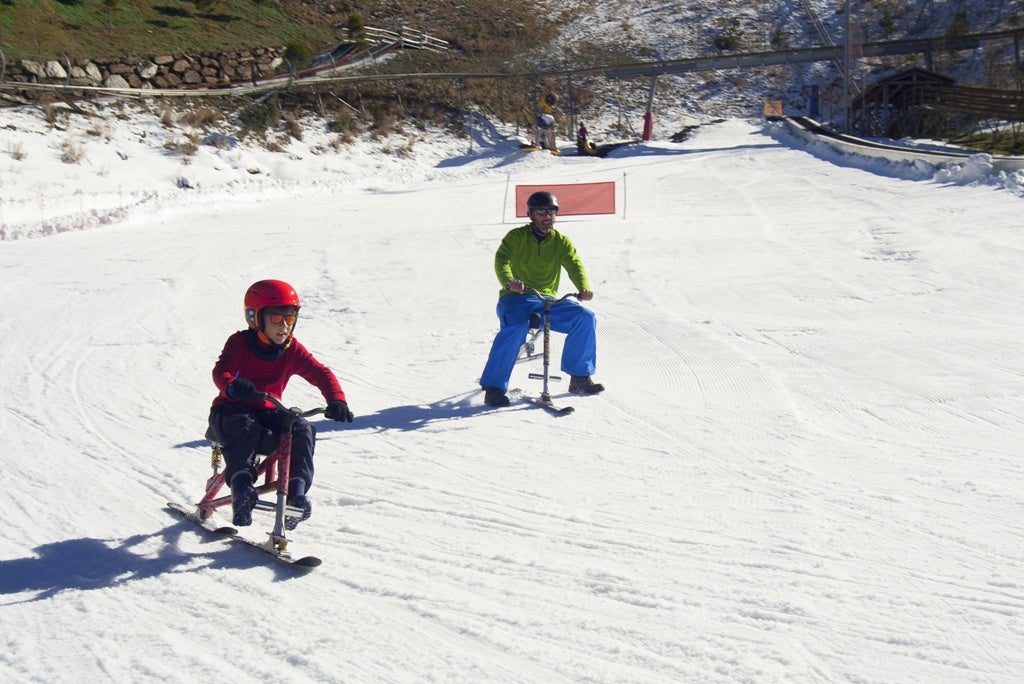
column 574, row 199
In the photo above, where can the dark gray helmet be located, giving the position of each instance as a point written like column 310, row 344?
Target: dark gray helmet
column 542, row 199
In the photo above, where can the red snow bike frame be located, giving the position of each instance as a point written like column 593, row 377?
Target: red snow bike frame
column 273, row 466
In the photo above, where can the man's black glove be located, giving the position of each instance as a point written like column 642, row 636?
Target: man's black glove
column 242, row 389
column 338, row 410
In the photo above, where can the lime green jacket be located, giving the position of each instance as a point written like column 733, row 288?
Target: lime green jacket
column 538, row 264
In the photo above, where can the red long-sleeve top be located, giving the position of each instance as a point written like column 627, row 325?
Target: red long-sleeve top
column 270, row 368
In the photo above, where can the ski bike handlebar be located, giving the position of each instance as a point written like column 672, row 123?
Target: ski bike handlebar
column 530, row 290
column 297, row 412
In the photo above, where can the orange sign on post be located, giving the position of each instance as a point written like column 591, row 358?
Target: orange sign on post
column 574, row 199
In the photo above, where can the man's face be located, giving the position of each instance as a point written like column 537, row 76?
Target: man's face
column 543, row 219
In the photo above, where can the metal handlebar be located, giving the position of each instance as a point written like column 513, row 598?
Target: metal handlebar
column 297, row 412
column 531, row 290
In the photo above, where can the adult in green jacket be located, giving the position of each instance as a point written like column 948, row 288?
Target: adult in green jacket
column 533, row 256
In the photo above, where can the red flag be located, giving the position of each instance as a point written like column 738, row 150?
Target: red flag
column 574, row 199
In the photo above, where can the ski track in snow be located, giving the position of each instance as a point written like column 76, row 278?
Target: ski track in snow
column 806, row 467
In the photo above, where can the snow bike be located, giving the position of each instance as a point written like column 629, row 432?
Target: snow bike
column 273, row 466
column 544, row 328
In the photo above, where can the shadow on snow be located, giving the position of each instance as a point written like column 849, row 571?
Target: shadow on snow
column 87, row 563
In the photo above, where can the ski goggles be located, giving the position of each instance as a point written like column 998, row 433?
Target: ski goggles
column 545, row 211
column 276, row 318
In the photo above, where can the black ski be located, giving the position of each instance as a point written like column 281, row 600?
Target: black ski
column 189, row 513
column 549, row 405
column 283, row 556
column 232, row 534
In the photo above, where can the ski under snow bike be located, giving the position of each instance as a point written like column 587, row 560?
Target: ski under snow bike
column 272, row 471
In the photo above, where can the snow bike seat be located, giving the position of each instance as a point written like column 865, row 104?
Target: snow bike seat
column 535, row 319
column 267, row 444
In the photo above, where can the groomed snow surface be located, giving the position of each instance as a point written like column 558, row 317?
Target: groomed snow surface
column 807, row 466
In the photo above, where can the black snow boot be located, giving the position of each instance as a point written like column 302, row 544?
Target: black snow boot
column 495, row 397
column 583, row 384
column 297, row 499
column 243, row 499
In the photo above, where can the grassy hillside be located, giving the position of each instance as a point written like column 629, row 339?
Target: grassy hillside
column 484, row 34
column 101, row 28
column 104, row 28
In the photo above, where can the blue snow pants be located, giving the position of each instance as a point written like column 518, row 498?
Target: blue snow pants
column 578, row 323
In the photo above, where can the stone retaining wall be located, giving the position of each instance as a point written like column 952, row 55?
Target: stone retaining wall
column 180, row 70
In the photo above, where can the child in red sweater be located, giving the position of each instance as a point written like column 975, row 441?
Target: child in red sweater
column 263, row 359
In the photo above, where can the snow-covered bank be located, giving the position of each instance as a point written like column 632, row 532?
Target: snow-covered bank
column 807, row 465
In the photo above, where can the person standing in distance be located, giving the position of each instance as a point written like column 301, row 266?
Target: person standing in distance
column 534, row 256
column 582, row 136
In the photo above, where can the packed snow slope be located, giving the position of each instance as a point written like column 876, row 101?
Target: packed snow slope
column 807, row 466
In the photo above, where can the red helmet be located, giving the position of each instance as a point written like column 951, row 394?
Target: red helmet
column 268, row 293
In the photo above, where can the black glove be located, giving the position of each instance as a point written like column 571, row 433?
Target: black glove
column 338, row 410
column 242, row 389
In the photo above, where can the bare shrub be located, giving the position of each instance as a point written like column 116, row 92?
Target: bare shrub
column 291, row 124
column 186, row 146
column 191, row 146
column 201, row 117
column 70, row 153
column 166, row 113
column 121, row 112
column 383, row 125
column 405, row 152
column 343, row 125
column 260, row 116
column 14, row 149
column 338, row 141
column 100, row 131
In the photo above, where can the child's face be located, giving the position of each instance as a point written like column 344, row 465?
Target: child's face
column 278, row 332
